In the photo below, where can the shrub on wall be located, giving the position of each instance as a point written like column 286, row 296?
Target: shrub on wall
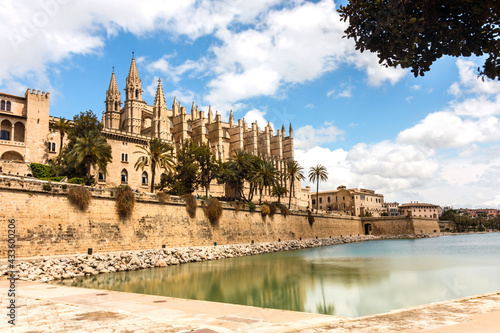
column 284, row 209
column 272, row 209
column 125, row 201
column 54, row 179
column 41, row 170
column 238, row 205
column 163, row 197
column 191, row 204
column 310, row 217
column 252, row 207
column 47, row 187
column 76, row 180
column 80, row 197
column 213, row 210
column 264, row 209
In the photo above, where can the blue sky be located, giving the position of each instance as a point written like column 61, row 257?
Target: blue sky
column 429, row 139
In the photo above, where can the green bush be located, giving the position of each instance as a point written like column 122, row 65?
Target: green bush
column 64, row 187
column 47, row 187
column 41, row 170
column 53, row 179
column 80, row 197
column 191, row 204
column 76, row 180
column 265, row 209
column 213, row 210
column 252, row 207
column 125, row 201
column 163, row 197
column 310, row 217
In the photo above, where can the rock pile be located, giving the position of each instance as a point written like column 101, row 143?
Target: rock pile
column 49, row 269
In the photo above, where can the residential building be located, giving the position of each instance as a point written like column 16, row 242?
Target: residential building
column 354, row 201
column 419, row 209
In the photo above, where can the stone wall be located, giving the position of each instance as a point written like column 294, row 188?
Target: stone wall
column 400, row 225
column 47, row 224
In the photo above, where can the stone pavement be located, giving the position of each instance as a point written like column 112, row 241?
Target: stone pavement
column 53, row 308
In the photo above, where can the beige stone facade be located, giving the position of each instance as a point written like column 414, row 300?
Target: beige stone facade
column 419, row 209
column 26, row 137
column 24, row 125
column 355, row 202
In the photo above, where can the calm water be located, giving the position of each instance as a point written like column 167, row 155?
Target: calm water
column 345, row 280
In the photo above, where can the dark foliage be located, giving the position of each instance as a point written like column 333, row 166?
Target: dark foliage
column 80, row 197
column 125, row 201
column 191, row 204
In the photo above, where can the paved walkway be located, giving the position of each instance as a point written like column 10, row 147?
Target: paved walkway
column 54, row 308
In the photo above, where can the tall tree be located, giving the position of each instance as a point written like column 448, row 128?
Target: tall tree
column 157, row 154
column 207, row 165
column 242, row 163
column 294, row 172
column 316, row 174
column 184, row 177
column 62, row 126
column 90, row 150
column 415, row 33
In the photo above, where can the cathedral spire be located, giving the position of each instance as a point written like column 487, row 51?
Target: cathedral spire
column 134, row 87
column 113, row 86
column 132, row 73
column 160, row 97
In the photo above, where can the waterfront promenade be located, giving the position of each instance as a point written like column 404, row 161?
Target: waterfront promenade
column 53, row 308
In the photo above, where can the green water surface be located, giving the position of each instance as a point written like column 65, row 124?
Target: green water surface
column 345, row 280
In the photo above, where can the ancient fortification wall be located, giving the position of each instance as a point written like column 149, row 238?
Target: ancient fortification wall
column 399, row 225
column 48, row 224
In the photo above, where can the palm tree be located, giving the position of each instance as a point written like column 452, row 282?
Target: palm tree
column 318, row 173
column 159, row 154
column 62, row 126
column 294, row 172
column 242, row 161
column 91, row 150
column 265, row 175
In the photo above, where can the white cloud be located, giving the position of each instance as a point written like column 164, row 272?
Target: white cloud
column 449, row 130
column 281, row 51
column 451, row 157
column 258, row 116
column 307, row 136
column 173, row 73
column 471, row 83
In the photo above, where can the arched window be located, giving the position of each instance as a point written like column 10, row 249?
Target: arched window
column 6, row 128
column 49, row 146
column 8, row 106
column 53, row 146
column 2, row 105
column 124, row 176
column 116, row 106
column 12, row 156
column 144, row 178
column 137, row 93
column 19, row 132
column 102, row 177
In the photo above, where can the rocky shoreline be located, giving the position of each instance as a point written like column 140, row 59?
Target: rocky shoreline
column 49, row 269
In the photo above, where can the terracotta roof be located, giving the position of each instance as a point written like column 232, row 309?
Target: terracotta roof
column 417, row 204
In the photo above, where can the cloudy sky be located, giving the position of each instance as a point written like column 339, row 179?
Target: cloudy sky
column 430, row 139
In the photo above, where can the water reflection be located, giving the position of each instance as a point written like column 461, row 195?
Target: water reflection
column 347, row 280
